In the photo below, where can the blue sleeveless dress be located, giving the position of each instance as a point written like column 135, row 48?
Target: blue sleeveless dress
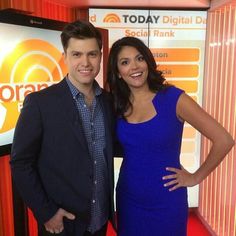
column 144, row 206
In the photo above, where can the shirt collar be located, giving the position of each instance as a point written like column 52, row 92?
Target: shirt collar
column 75, row 92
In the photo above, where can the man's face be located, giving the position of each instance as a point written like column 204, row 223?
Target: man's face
column 83, row 59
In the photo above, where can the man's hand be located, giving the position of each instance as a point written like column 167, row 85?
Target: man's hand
column 55, row 224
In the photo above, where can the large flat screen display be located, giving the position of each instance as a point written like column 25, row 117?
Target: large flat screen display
column 30, row 60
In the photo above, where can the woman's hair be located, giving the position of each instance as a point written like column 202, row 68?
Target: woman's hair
column 80, row 30
column 117, row 86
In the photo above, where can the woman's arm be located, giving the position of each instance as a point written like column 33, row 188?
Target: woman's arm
column 188, row 110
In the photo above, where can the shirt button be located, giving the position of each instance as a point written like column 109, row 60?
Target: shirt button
column 95, row 182
column 95, row 162
column 94, row 201
column 84, row 105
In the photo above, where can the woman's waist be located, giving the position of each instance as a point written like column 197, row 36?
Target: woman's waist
column 148, row 166
column 154, row 196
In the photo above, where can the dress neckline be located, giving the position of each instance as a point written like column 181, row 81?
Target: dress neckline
column 149, row 120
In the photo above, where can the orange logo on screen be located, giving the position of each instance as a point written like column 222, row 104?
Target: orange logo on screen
column 111, row 18
column 31, row 66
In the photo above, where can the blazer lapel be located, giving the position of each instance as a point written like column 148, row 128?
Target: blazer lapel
column 71, row 114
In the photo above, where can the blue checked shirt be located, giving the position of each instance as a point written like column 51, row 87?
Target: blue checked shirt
column 94, row 130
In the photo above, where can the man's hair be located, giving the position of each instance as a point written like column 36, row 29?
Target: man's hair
column 80, row 30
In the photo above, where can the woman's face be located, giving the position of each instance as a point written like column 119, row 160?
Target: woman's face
column 132, row 67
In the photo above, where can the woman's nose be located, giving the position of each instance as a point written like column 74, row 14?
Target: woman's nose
column 134, row 64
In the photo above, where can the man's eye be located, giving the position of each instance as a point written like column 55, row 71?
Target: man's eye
column 93, row 54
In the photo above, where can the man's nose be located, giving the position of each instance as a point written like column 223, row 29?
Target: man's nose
column 85, row 60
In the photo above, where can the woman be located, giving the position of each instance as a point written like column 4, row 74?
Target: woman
column 152, row 185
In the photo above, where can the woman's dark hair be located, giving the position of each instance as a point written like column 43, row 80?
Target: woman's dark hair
column 80, row 30
column 117, row 86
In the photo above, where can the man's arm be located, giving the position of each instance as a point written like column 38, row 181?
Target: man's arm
column 25, row 152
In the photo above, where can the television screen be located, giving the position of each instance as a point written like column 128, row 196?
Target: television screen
column 30, row 60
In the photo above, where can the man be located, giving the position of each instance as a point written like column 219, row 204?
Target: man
column 62, row 157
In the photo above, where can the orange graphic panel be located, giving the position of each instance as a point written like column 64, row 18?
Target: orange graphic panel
column 31, row 66
column 176, row 54
column 28, row 55
column 188, row 147
column 189, row 86
column 189, row 132
column 179, row 71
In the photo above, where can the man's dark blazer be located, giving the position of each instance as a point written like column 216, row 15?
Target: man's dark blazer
column 50, row 160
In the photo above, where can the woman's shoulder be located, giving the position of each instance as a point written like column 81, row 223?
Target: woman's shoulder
column 170, row 91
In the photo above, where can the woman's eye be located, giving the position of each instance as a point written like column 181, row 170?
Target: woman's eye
column 124, row 62
column 140, row 58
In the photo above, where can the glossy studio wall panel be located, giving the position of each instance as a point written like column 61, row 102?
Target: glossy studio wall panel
column 217, row 203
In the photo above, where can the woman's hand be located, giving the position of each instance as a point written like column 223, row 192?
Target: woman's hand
column 179, row 178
